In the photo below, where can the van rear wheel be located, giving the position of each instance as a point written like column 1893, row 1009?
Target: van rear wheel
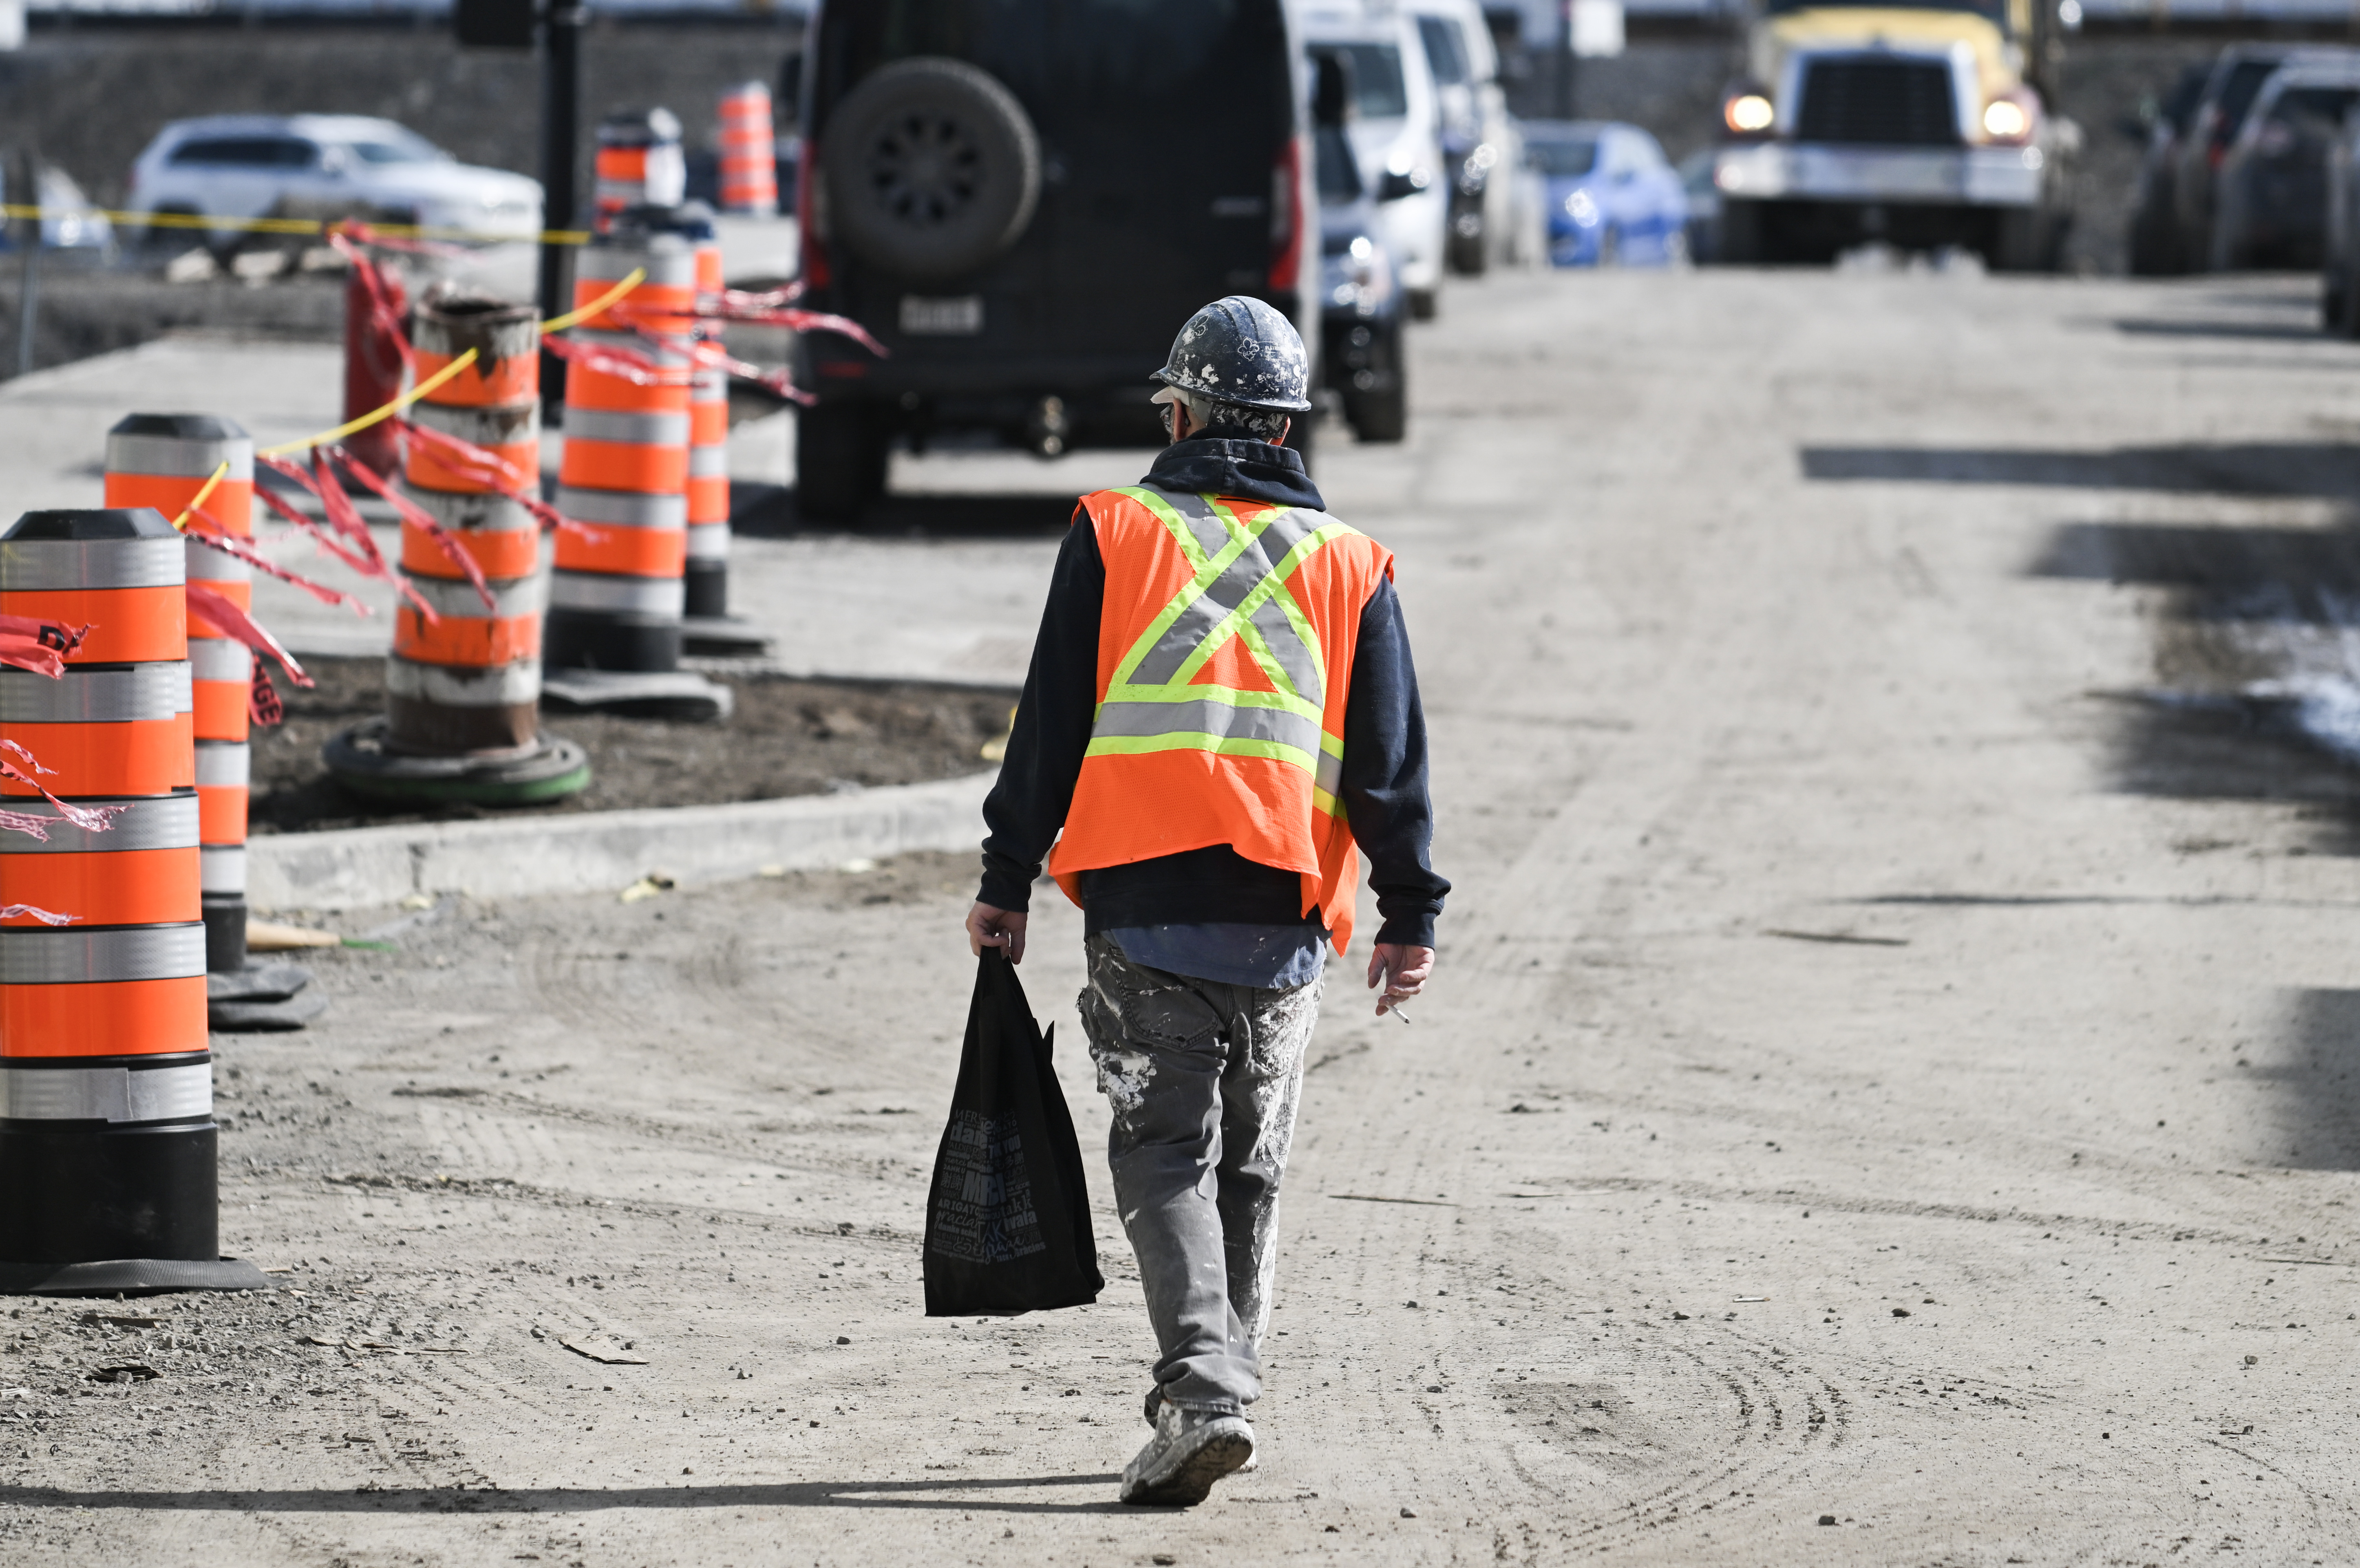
column 840, row 457
column 932, row 167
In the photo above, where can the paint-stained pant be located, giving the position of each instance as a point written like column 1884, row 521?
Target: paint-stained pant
column 1203, row 1079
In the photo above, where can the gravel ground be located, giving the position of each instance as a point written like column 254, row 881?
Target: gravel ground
column 785, row 737
column 1887, row 1097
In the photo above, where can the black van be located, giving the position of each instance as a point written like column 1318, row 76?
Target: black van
column 1022, row 200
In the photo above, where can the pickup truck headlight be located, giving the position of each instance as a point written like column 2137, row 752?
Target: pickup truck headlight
column 2005, row 120
column 1748, row 113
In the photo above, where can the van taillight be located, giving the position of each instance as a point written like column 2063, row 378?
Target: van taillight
column 1286, row 216
column 813, row 263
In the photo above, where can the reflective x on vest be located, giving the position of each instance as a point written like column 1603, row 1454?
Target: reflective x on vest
column 1160, row 698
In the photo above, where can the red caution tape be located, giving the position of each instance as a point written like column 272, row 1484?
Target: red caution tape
column 205, row 528
column 419, row 519
column 223, row 612
column 262, row 704
column 481, row 465
column 345, row 518
column 38, row 646
column 20, row 765
column 619, row 363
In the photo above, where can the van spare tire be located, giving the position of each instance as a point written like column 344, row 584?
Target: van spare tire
column 933, row 168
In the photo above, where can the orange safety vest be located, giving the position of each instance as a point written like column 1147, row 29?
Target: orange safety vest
column 1225, row 656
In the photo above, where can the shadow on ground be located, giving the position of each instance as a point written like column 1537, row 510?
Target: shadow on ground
column 2315, row 1084
column 2282, row 332
column 2237, row 468
column 769, row 511
column 927, row 1494
column 2241, row 573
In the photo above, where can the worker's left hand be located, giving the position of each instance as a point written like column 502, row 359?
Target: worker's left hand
column 1402, row 968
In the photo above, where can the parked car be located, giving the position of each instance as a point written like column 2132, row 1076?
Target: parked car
column 68, row 222
column 2155, row 249
column 250, row 165
column 1396, row 131
column 1090, row 174
column 1359, row 301
column 2229, row 92
column 2272, row 185
column 1480, row 141
column 1614, row 199
column 1703, row 192
column 2339, row 293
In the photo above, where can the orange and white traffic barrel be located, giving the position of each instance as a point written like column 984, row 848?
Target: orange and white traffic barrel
column 750, row 153
column 615, row 596
column 463, row 690
column 639, row 164
column 107, row 1142
column 162, row 461
column 705, row 577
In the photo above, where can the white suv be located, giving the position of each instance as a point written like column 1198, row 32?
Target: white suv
column 1395, row 132
column 252, row 166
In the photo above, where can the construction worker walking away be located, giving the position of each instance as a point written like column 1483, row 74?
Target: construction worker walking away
column 1220, row 708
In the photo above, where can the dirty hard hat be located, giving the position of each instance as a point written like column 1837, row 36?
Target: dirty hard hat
column 1237, row 350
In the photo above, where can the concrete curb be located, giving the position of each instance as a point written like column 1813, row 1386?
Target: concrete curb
column 606, row 850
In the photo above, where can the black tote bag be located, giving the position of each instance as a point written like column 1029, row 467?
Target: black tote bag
column 1007, row 1220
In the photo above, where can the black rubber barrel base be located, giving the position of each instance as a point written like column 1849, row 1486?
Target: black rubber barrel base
column 225, row 933
column 130, row 1277
column 95, row 1191
column 584, row 639
column 708, row 585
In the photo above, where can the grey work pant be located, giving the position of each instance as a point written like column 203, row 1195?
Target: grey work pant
column 1203, row 1079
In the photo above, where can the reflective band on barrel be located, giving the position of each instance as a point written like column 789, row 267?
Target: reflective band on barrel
column 667, row 259
column 637, row 430
column 207, row 564
column 142, row 693
column 167, row 822
column 708, row 542
column 39, row 956
column 177, row 457
column 459, row 601
column 218, row 659
column 42, row 566
column 632, row 343
column 622, row 509
column 708, row 461
column 664, row 596
column 181, row 1091
column 500, row 686
column 224, row 765
column 221, row 870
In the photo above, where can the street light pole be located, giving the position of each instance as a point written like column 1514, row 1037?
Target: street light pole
column 561, row 139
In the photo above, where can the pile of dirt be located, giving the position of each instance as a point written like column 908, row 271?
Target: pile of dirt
column 786, row 738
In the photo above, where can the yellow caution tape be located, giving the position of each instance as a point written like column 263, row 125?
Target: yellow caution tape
column 285, row 225
column 373, row 415
column 632, row 281
column 204, row 493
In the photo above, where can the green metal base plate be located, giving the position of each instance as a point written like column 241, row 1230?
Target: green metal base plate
column 548, row 770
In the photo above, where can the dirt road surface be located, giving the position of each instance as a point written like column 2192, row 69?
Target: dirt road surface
column 1887, row 1097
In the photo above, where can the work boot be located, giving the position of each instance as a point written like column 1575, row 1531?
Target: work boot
column 1155, row 1403
column 1190, row 1451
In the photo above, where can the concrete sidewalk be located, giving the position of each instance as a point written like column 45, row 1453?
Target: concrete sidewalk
column 944, row 585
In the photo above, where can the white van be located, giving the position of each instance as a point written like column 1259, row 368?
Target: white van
column 1479, row 138
column 1396, row 134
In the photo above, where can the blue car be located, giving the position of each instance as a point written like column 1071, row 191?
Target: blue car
column 1611, row 197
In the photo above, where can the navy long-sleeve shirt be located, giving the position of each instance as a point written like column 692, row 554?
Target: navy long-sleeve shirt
column 1383, row 787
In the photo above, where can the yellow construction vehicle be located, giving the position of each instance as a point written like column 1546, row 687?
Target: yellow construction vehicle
column 1923, row 124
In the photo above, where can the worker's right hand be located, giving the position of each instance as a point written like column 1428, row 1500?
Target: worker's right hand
column 1402, row 968
column 988, row 927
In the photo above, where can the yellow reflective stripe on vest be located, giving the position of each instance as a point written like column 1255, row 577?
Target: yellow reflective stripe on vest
column 1154, row 702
